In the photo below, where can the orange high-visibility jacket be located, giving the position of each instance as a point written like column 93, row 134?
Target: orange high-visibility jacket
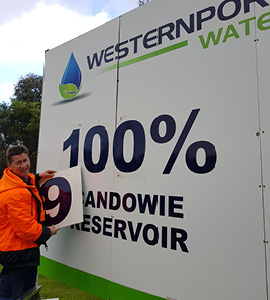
column 20, row 230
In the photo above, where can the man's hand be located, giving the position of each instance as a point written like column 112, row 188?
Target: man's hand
column 53, row 230
column 46, row 175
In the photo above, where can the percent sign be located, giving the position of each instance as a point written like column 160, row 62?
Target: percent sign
column 191, row 154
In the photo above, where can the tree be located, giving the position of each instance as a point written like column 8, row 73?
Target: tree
column 19, row 120
column 28, row 89
column 142, row 2
column 3, row 163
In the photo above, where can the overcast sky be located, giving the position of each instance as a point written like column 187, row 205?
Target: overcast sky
column 28, row 28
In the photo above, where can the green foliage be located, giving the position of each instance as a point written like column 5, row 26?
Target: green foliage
column 2, row 156
column 19, row 120
column 28, row 89
column 142, row 2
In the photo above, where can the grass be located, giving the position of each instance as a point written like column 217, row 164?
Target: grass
column 54, row 289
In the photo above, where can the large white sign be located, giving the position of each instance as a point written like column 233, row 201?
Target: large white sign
column 166, row 110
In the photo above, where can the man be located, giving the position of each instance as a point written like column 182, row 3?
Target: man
column 21, row 229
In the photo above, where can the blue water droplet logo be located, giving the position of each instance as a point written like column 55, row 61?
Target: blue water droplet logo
column 71, row 80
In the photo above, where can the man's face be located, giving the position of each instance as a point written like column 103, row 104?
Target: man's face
column 20, row 165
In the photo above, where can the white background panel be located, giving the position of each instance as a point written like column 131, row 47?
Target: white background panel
column 223, row 209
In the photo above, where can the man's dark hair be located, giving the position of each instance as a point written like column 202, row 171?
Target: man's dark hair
column 16, row 150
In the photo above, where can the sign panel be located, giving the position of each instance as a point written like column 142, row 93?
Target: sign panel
column 63, row 198
column 163, row 116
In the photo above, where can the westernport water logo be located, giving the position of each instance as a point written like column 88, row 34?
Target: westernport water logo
column 72, row 80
